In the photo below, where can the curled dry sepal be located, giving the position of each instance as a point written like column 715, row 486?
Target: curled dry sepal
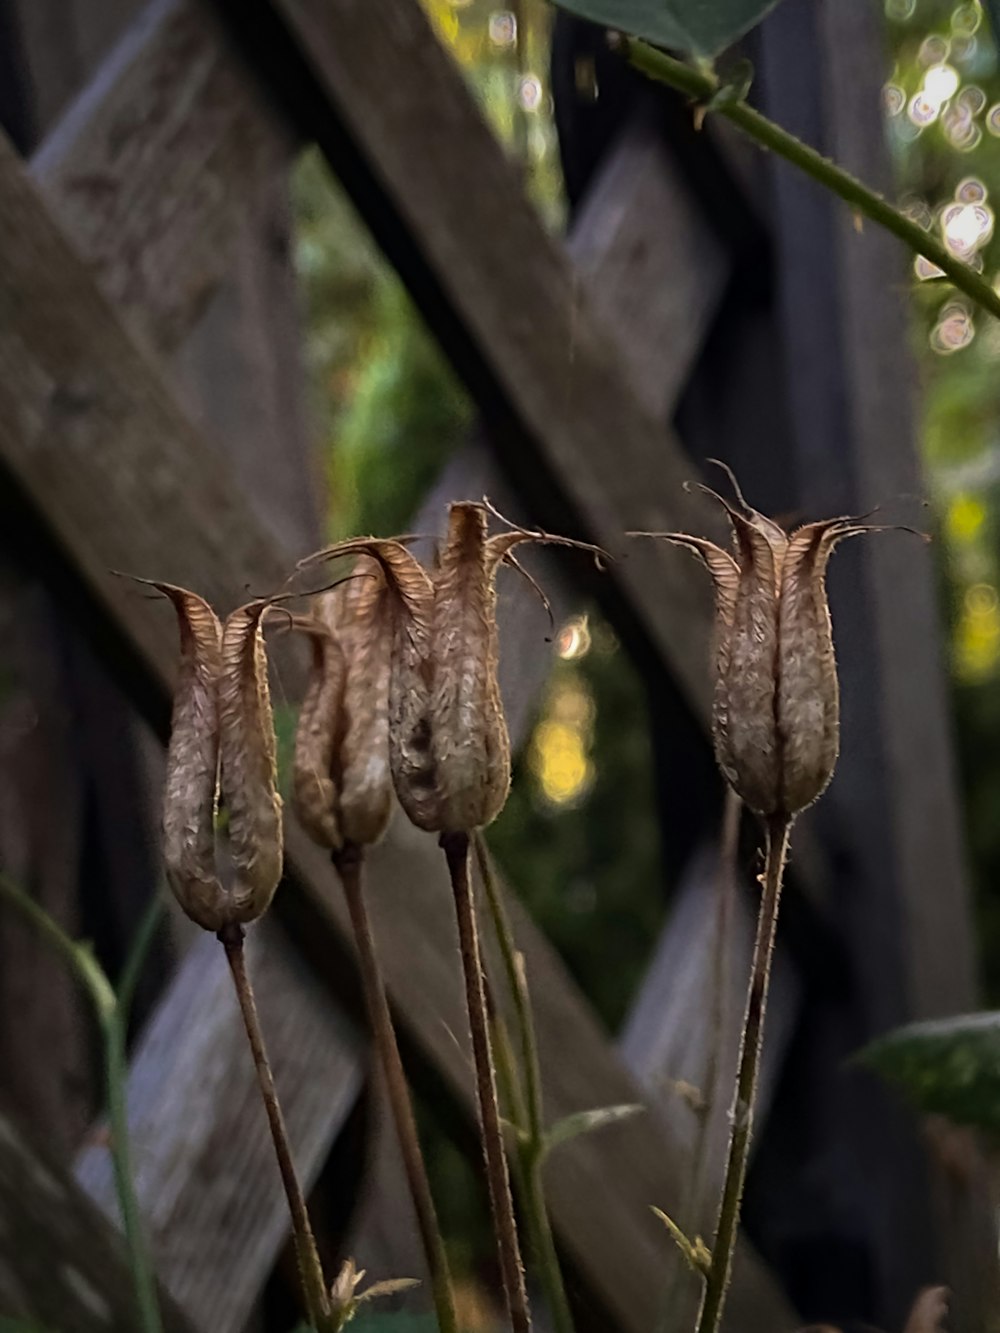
column 341, row 783
column 222, row 739
column 345, row 1298
column 776, row 714
column 448, row 745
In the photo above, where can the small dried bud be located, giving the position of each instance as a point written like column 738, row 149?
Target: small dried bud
column 929, row 1311
column 221, row 723
column 448, row 745
column 342, row 781
column 345, row 1296
column 776, row 716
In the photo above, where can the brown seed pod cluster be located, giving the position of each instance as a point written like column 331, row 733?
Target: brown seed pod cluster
column 448, row 745
column 222, row 739
column 776, row 715
column 342, row 786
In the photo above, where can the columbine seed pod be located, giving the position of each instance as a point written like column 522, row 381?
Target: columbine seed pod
column 776, row 714
column 341, row 778
column 448, row 745
column 221, row 723
column 248, row 763
column 189, row 802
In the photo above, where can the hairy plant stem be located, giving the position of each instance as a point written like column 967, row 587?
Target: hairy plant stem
column 456, row 850
column 310, row 1268
column 725, row 888
column 350, row 863
column 706, row 90
column 531, row 1150
column 111, row 1010
column 777, row 829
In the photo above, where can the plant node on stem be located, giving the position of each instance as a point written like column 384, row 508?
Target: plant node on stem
column 456, row 850
column 349, row 862
column 777, row 828
column 310, row 1269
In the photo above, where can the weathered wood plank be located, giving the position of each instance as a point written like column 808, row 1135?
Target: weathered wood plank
column 152, row 167
column 97, row 446
column 681, row 1041
column 60, row 1263
column 204, row 1167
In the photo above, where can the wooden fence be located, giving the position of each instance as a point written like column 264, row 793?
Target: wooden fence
column 115, row 234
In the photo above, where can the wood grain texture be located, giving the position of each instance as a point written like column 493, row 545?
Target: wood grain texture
column 151, row 168
column 204, row 1167
column 98, row 447
column 60, row 1263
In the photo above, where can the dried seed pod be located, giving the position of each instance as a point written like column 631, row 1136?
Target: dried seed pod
column 222, row 731
column 776, row 713
column 193, row 763
column 360, row 613
column 467, row 723
column 342, row 781
column 448, row 745
column 249, row 763
column 314, row 790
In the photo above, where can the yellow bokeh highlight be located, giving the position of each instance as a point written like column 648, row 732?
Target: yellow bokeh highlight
column 559, row 759
column 964, row 518
column 977, row 634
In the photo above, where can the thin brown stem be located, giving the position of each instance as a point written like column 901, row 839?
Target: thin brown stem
column 714, row 1298
column 725, row 889
column 310, row 1269
column 456, row 850
column 349, row 863
column 531, row 1153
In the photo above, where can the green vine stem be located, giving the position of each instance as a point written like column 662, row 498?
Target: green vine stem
column 350, row 867
column 532, row 1147
column 708, row 92
column 111, row 1010
column 310, row 1268
column 717, row 1284
column 456, row 850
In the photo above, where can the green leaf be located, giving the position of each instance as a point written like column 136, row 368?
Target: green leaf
column 582, row 1122
column 694, row 27
column 948, row 1067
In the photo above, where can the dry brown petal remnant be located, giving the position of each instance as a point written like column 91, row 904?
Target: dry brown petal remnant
column 341, row 782
column 448, row 744
column 776, row 714
column 927, row 1316
column 222, row 740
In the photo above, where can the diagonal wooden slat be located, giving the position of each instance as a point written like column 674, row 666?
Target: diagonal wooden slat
column 97, row 448
column 60, row 1262
column 212, row 1199
column 401, row 129
column 153, row 166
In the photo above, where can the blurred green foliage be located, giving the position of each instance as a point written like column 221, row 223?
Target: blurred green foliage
column 947, row 150
column 947, row 1067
